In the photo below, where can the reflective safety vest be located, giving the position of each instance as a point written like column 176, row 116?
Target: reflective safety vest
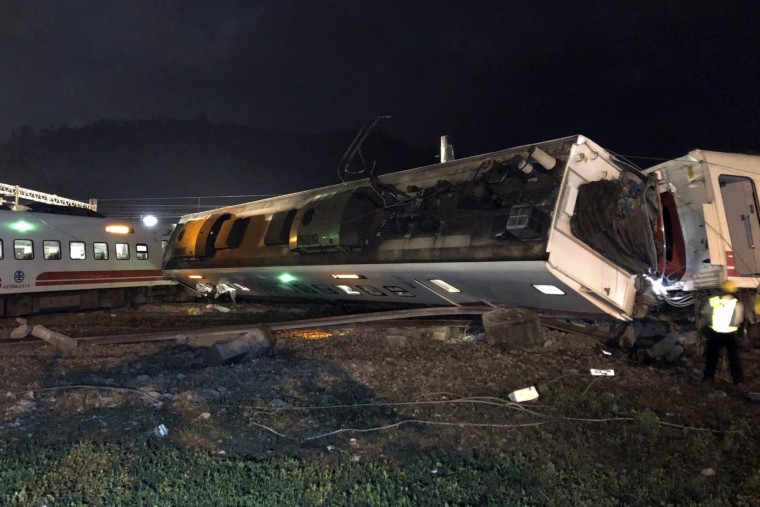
column 722, row 314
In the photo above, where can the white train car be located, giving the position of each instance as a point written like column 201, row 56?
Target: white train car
column 562, row 226
column 52, row 261
column 501, row 228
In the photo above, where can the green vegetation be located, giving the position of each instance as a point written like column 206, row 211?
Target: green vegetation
column 96, row 473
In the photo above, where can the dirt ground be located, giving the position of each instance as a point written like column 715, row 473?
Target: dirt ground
column 355, row 393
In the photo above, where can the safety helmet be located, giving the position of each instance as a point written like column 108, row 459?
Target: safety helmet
column 729, row 286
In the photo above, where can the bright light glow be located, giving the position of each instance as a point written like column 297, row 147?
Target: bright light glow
column 347, row 276
column 118, row 229
column 549, row 289
column 195, row 277
column 287, row 278
column 149, row 220
column 445, row 286
column 348, row 290
column 21, row 226
column 311, row 335
column 657, row 287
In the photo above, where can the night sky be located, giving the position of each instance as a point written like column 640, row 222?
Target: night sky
column 654, row 78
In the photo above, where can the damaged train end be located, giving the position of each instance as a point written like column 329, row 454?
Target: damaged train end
column 710, row 226
column 561, row 226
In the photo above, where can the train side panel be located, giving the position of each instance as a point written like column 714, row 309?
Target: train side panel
column 52, row 261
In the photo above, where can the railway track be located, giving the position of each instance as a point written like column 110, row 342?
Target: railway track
column 210, row 335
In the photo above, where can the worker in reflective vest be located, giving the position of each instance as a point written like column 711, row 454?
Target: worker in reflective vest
column 725, row 318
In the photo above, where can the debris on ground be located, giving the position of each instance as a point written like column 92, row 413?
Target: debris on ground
column 22, row 331
column 249, row 345
column 161, row 431
column 526, row 394
column 65, row 343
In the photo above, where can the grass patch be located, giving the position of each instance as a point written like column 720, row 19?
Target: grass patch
column 95, row 473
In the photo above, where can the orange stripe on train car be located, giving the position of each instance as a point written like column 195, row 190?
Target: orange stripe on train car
column 98, row 280
column 81, row 277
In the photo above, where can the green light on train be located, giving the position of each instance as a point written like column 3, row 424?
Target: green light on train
column 287, row 278
column 21, row 226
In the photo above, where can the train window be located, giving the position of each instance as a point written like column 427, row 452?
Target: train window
column 266, row 286
column 372, row 291
column 23, row 249
column 235, row 237
column 122, row 251
column 100, row 251
column 278, row 232
column 141, row 251
column 51, row 250
column 324, row 288
column 304, row 288
column 77, row 250
column 349, row 290
column 399, row 291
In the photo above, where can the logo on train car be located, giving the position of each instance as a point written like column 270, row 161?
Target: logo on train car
column 19, row 278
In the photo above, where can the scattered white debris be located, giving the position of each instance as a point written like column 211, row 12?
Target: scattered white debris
column 161, row 431
column 605, row 353
column 526, row 394
column 204, row 416
column 602, row 373
column 708, row 472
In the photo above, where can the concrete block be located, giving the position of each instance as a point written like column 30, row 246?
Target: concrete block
column 252, row 344
column 397, row 340
column 61, row 341
column 513, row 328
column 22, row 331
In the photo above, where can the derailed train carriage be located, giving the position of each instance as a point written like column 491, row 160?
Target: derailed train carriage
column 562, row 226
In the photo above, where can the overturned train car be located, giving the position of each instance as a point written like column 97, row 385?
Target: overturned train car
column 562, row 226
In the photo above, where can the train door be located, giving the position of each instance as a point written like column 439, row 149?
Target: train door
column 740, row 204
